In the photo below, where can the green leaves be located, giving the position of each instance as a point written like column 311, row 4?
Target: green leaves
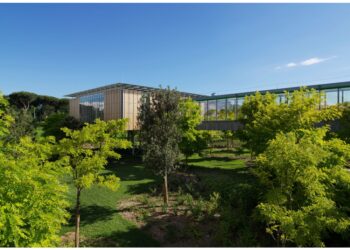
column 190, row 118
column 87, row 151
column 32, row 198
column 299, row 170
column 264, row 117
column 160, row 134
column 5, row 119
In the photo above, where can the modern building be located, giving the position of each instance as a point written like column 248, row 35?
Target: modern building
column 115, row 101
column 220, row 112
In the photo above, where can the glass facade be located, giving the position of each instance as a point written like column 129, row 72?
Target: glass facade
column 91, row 107
column 204, row 108
column 211, row 113
column 231, row 109
column 331, row 97
column 228, row 108
column 345, row 95
column 221, row 109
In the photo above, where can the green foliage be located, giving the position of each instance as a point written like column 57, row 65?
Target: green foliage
column 344, row 123
column 264, row 117
column 5, row 119
column 300, row 171
column 23, row 125
column 53, row 124
column 22, row 100
column 87, row 151
column 201, row 208
column 38, row 106
column 160, row 133
column 192, row 139
column 32, row 199
column 32, row 204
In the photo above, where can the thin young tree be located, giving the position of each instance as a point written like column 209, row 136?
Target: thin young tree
column 160, row 133
column 87, row 151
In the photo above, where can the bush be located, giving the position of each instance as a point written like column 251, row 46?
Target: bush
column 53, row 124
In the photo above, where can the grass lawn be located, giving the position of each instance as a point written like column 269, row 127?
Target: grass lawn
column 222, row 171
column 102, row 225
column 100, row 222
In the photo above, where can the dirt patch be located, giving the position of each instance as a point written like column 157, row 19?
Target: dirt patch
column 172, row 226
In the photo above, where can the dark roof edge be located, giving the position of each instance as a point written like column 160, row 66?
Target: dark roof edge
column 126, row 86
column 279, row 90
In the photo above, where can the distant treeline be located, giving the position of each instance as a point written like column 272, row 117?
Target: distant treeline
column 39, row 115
column 40, row 106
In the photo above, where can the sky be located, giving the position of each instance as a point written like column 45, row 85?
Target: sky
column 57, row 49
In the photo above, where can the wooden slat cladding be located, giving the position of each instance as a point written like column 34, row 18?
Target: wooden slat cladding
column 74, row 108
column 131, row 103
column 118, row 103
column 113, row 104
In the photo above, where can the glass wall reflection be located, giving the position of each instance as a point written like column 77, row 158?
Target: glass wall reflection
column 228, row 109
column 211, row 113
column 91, row 107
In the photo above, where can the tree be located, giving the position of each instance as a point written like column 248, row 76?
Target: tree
column 160, row 133
column 39, row 106
column 53, row 124
column 263, row 117
column 22, row 100
column 343, row 128
column 5, row 118
column 86, row 152
column 23, row 125
column 32, row 198
column 190, row 118
column 48, row 105
column 302, row 173
column 229, row 137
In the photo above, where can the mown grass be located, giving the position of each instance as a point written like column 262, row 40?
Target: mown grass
column 101, row 225
column 99, row 218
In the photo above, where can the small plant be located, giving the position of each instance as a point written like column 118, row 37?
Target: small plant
column 213, row 204
column 176, row 209
column 153, row 191
column 200, row 208
column 164, row 208
column 145, row 200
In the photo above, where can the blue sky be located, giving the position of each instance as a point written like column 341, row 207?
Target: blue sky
column 56, row 49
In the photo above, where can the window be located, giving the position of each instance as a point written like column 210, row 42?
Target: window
column 221, row 109
column 204, row 109
column 240, row 101
column 231, row 109
column 91, row 107
column 331, row 97
column 345, row 96
column 211, row 110
column 282, row 98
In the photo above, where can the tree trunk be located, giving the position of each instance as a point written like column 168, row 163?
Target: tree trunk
column 165, row 190
column 77, row 218
column 133, row 144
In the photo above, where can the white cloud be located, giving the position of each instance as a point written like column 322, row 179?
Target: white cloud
column 312, row 61
column 291, row 65
column 307, row 62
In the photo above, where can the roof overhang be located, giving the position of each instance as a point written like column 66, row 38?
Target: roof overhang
column 128, row 87
column 324, row 86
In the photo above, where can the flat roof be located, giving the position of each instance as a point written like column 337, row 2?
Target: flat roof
column 324, row 86
column 129, row 87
